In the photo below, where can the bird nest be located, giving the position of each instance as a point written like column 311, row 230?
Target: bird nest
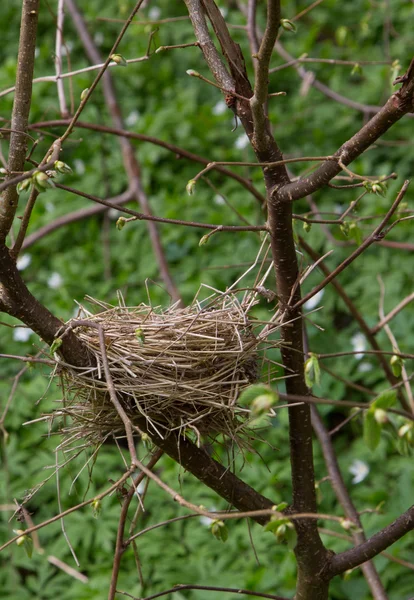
column 180, row 369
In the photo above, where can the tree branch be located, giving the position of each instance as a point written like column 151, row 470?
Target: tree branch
column 374, row 545
column 21, row 109
column 398, row 105
column 152, row 140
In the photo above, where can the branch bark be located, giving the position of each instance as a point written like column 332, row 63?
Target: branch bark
column 374, row 545
column 21, row 109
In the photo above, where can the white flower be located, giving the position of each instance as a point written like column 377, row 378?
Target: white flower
column 314, row 301
column 364, row 367
column 206, row 521
column 359, row 344
column 132, row 118
column 113, row 213
column 98, row 38
column 219, row 200
column 23, row 262
column 79, row 166
column 154, row 13
column 55, row 281
column 219, row 108
column 241, row 142
column 359, row 469
column 21, row 334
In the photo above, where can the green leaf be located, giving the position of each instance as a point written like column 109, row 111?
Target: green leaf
column 259, row 396
column 372, row 430
column 219, row 530
column 312, row 371
column 139, row 334
column 56, row 345
column 396, row 363
column 355, row 233
column 385, row 400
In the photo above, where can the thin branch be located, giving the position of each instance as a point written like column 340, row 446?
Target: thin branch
column 68, row 511
column 261, row 83
column 51, row 158
column 145, row 217
column 101, row 73
column 58, row 58
column 374, row 545
column 73, row 217
column 400, row 306
column 398, row 105
column 341, row 492
column 152, row 140
column 375, row 236
column 120, row 545
column 208, row 588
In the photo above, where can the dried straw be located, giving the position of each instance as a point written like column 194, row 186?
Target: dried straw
column 181, row 369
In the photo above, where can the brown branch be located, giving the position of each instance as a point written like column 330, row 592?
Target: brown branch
column 119, row 544
column 375, row 236
column 392, row 313
column 145, row 217
column 398, row 105
column 18, row 302
column 341, row 492
column 21, row 109
column 152, row 140
column 49, row 158
column 102, row 72
column 68, row 511
column 374, row 545
column 131, row 164
column 257, row 102
column 310, row 552
column 207, row 588
column 355, row 313
column 73, row 217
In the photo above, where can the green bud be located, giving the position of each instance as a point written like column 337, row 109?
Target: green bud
column 42, row 181
column 396, row 363
column 120, row 224
column 380, row 416
column 190, row 187
column 62, row 167
column 345, row 228
column 119, row 60
column 357, row 69
column 139, row 334
column 307, row 227
column 204, row 240
column 84, row 94
column 193, row 73
column 24, row 185
column 219, row 530
column 96, row 507
column 288, row 25
column 56, row 345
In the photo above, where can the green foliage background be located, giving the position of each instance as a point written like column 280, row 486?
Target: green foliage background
column 159, row 99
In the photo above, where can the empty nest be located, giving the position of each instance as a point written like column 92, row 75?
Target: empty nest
column 181, row 369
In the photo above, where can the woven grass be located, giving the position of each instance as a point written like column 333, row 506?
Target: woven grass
column 181, row 369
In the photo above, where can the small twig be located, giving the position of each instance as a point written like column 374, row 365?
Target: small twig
column 386, row 319
column 375, row 236
column 143, row 217
column 58, row 58
column 208, row 588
